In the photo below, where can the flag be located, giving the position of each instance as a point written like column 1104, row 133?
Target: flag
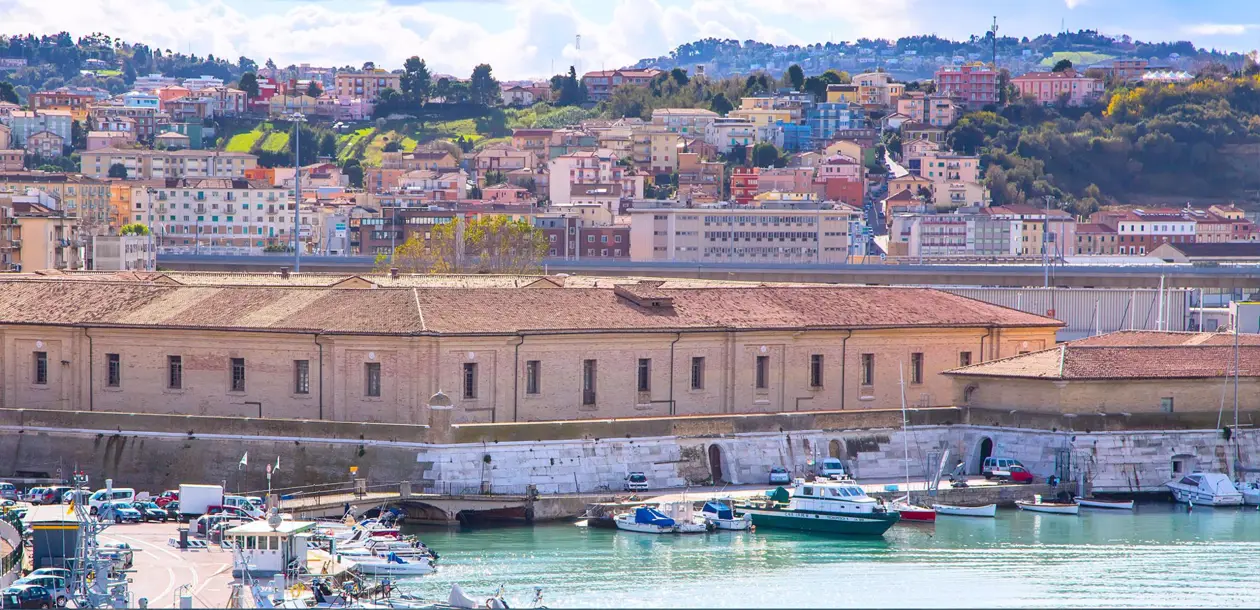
column 244, row 461
column 277, row 463
column 70, row 508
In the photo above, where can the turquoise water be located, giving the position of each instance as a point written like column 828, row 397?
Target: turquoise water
column 1159, row 555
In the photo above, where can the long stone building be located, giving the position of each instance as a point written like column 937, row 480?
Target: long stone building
column 375, row 351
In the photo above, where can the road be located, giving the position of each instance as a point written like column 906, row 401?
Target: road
column 160, row 569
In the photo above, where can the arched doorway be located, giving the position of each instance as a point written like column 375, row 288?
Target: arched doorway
column 715, row 463
column 835, row 449
column 986, row 451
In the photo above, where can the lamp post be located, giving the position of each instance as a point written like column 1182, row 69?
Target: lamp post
column 298, row 118
column 151, row 260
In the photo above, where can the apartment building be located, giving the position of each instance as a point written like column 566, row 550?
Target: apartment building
column 43, row 237
column 366, row 85
column 600, row 84
column 81, row 197
column 726, row 133
column 423, row 187
column 1140, row 231
column 64, row 99
column 877, row 89
column 569, row 237
column 163, row 164
column 1042, row 232
column 968, row 234
column 1051, row 87
column 973, row 85
column 810, row 233
column 745, row 184
column 26, row 123
column 593, row 177
column 826, row 119
column 687, row 121
column 696, row 175
column 501, row 158
column 192, row 213
column 143, row 118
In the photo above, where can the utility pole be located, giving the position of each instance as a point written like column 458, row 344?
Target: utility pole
column 995, row 31
column 151, row 260
column 298, row 118
column 1045, row 235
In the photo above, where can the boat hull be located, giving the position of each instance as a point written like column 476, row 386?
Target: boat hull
column 1251, row 497
column 866, row 524
column 988, row 510
column 736, row 525
column 1053, row 509
column 1200, row 498
column 1111, row 504
column 644, row 528
column 394, row 569
column 916, row 514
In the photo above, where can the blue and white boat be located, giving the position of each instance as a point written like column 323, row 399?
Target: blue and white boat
column 722, row 516
column 1205, row 489
column 646, row 520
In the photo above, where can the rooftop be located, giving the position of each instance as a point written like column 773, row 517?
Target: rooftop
column 461, row 311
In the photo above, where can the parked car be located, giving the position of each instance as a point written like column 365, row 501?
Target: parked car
column 58, row 572
column 26, row 596
column 636, row 481
column 245, row 505
column 8, row 491
column 120, row 512
column 257, row 502
column 124, row 494
column 35, row 495
column 150, row 511
column 992, row 464
column 56, row 585
column 1016, row 474
column 830, row 468
column 53, row 495
column 172, row 510
column 168, row 496
column 780, row 476
column 234, row 511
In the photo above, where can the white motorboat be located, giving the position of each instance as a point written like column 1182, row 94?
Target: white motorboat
column 1105, row 503
column 1250, row 492
column 686, row 521
column 723, row 517
column 1054, row 508
column 406, row 548
column 392, row 565
column 1205, row 489
column 646, row 520
column 988, row 510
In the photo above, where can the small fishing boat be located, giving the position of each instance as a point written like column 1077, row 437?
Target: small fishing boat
column 1250, row 493
column 722, row 516
column 1054, row 508
column 392, row 565
column 911, row 512
column 646, row 520
column 686, row 521
column 833, row 507
column 1092, row 502
column 1205, row 489
column 988, row 510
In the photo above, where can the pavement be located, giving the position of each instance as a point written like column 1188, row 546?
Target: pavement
column 159, row 569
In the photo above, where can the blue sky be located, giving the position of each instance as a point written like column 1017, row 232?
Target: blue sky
column 526, row 38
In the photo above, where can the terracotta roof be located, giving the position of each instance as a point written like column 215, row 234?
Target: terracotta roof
column 1130, row 355
column 488, row 311
column 1245, row 249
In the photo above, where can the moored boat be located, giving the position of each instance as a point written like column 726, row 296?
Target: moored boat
column 1250, row 493
column 833, row 507
column 1205, row 489
column 686, row 521
column 1054, row 508
column 1105, row 503
column 392, row 565
column 722, row 516
column 987, row 510
column 645, row 520
column 911, row 512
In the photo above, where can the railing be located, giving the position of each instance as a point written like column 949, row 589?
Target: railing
column 11, row 562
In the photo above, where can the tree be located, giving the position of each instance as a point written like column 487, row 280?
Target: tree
column 328, row 146
column 367, row 65
column 391, row 146
column 817, row 86
column 353, row 172
column 78, row 136
column 834, row 77
column 795, row 76
column 134, row 228
column 568, row 89
column 482, row 87
column 1063, row 65
column 765, row 154
column 488, row 244
column 7, row 94
column 494, row 177
column 314, row 90
column 416, row 81
column 720, row 104
column 118, row 170
column 680, row 76
column 249, row 84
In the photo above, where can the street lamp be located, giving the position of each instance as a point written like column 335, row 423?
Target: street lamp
column 298, row 118
column 151, row 262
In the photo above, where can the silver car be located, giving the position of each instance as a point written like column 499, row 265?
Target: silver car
column 56, row 586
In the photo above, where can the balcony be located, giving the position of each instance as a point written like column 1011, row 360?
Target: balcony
column 201, row 209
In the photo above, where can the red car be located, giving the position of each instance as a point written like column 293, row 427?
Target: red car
column 1016, row 474
column 167, row 497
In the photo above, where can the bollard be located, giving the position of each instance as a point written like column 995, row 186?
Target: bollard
column 144, row 602
column 185, row 602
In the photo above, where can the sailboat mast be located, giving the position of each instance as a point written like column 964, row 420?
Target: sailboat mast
column 905, row 441
column 1234, row 435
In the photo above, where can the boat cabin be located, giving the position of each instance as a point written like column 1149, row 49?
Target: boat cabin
column 266, row 549
column 832, row 497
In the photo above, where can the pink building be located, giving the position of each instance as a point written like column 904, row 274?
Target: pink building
column 974, row 85
column 97, row 140
column 785, row 180
column 1049, row 87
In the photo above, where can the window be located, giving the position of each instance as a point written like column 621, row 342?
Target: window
column 533, row 370
column 113, row 370
column 868, row 369
column 763, row 371
column 697, row 373
column 174, row 372
column 41, row 368
column 372, row 379
column 815, row 371
column 916, row 367
column 1166, row 404
column 470, row 380
column 238, row 374
column 645, row 375
column 301, row 376
column 588, row 382
column 964, row 358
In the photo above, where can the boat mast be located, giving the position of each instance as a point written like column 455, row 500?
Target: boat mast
column 905, row 442
column 1234, row 435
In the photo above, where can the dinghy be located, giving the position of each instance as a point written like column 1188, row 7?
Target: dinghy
column 1104, row 503
column 988, row 510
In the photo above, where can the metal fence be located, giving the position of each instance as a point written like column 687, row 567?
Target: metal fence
column 11, row 562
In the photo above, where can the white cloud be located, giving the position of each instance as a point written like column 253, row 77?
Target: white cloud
column 1071, row 4
column 1219, row 29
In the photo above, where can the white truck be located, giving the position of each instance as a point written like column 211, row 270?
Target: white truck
column 196, row 500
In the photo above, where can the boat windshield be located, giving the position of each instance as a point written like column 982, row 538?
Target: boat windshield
column 1192, row 481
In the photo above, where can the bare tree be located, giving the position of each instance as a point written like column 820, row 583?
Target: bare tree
column 488, row 244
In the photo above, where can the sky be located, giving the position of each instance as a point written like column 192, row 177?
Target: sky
column 536, row 38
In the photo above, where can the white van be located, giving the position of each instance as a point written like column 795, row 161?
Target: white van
column 831, row 468
column 994, row 465
column 244, row 504
column 103, row 496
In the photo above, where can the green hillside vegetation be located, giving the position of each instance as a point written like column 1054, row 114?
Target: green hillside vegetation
column 277, row 141
column 1078, row 58
column 243, row 142
column 1160, row 140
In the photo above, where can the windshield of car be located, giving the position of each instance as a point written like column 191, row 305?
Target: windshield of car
column 638, row 478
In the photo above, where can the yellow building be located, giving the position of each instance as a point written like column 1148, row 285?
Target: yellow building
column 45, row 238
column 83, row 197
column 762, row 117
column 848, row 94
column 235, row 344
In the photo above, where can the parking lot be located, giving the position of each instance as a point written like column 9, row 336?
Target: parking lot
column 160, row 570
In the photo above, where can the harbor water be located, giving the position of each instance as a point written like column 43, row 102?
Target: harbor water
column 1159, row 555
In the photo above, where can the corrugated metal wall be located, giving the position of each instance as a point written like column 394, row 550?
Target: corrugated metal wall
column 1088, row 311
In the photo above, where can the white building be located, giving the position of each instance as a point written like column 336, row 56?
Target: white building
column 122, row 253
column 216, row 213
column 153, row 81
column 725, row 133
column 202, row 82
column 808, row 233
